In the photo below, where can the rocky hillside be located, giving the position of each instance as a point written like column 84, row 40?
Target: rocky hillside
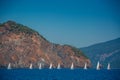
column 106, row 52
column 21, row 46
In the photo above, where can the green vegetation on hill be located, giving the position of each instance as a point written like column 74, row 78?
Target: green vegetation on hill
column 77, row 51
column 18, row 28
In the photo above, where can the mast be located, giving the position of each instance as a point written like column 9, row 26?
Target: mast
column 98, row 66
column 58, row 67
column 40, row 66
column 50, row 66
column 30, row 66
column 9, row 66
column 108, row 67
column 72, row 66
column 85, row 67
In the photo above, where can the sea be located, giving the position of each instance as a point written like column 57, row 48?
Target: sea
column 59, row 74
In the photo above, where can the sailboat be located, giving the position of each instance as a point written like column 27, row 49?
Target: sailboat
column 85, row 67
column 58, row 67
column 72, row 66
column 108, row 67
column 9, row 66
column 98, row 66
column 50, row 67
column 40, row 66
column 30, row 66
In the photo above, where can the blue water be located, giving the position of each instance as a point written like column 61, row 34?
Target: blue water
column 62, row 74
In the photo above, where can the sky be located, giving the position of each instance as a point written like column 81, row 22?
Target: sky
column 79, row 23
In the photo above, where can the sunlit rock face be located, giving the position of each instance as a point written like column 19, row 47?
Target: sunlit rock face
column 22, row 46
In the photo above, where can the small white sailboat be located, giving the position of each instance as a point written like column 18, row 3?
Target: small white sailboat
column 50, row 67
column 40, row 66
column 58, row 67
column 30, row 66
column 85, row 67
column 98, row 66
column 9, row 66
column 72, row 66
column 108, row 67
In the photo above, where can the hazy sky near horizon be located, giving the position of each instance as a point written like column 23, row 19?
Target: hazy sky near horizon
column 75, row 22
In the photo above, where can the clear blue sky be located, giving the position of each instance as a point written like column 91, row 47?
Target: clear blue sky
column 75, row 22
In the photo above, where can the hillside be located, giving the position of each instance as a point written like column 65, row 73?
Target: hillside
column 21, row 46
column 106, row 52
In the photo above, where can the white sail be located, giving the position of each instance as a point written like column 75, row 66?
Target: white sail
column 58, row 67
column 30, row 66
column 98, row 66
column 85, row 67
column 50, row 67
column 9, row 66
column 40, row 66
column 108, row 67
column 72, row 66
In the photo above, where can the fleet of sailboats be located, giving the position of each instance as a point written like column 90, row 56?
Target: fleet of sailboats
column 71, row 67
